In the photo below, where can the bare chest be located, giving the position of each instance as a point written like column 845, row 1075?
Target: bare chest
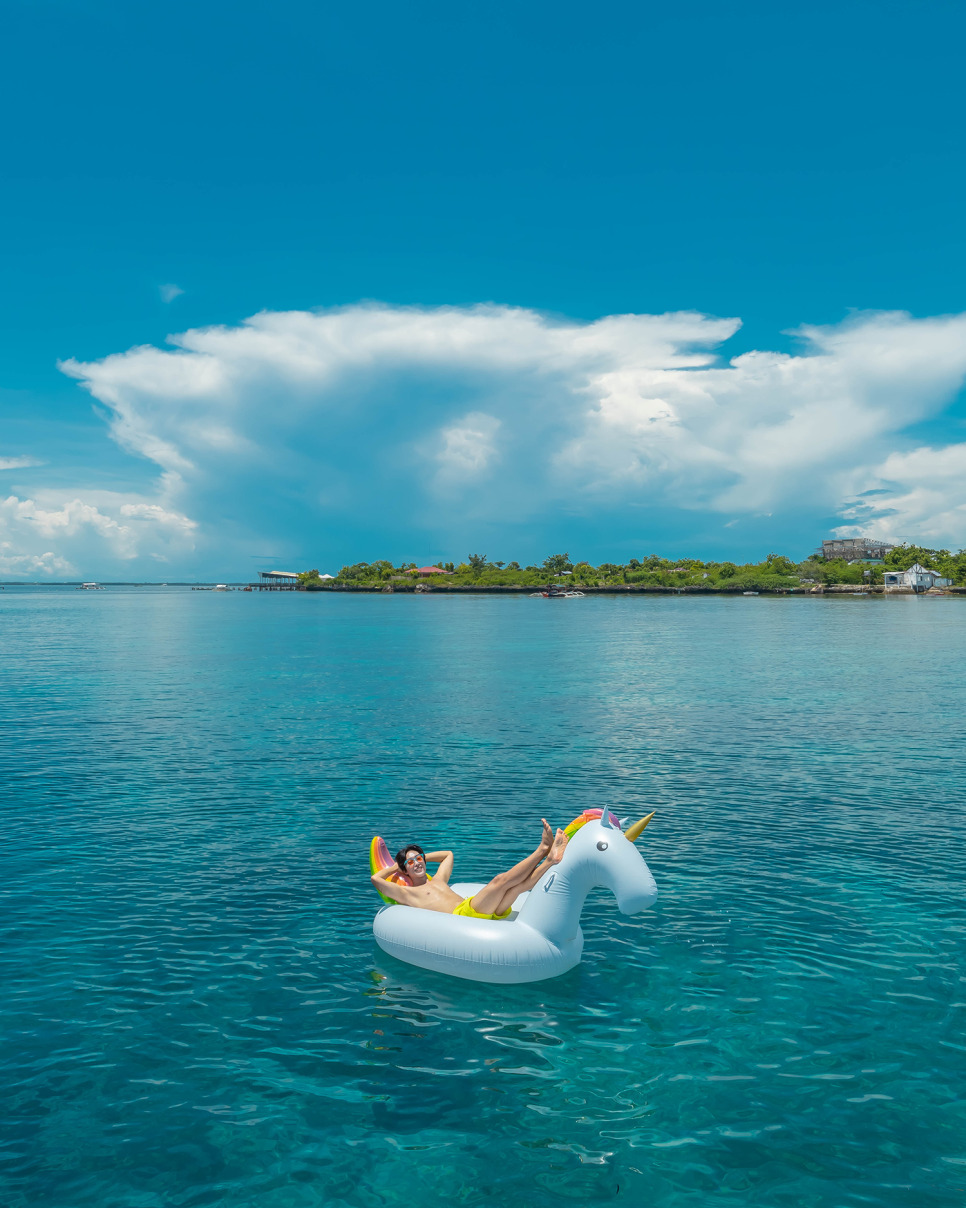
column 436, row 896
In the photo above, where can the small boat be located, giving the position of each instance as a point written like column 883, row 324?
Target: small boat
column 220, row 587
column 556, row 593
column 749, row 593
column 90, row 587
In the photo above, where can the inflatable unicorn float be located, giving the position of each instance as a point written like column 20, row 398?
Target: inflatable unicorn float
column 542, row 937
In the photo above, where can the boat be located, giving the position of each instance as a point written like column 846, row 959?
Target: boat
column 220, row 587
column 90, row 587
column 749, row 593
column 556, row 593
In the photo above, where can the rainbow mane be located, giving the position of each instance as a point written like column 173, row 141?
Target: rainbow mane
column 379, row 858
column 588, row 816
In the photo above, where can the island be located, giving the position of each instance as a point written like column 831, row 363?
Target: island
column 776, row 573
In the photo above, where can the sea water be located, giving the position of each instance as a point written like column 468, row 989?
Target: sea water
column 195, row 1012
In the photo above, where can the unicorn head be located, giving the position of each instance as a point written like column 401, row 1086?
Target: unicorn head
column 598, row 853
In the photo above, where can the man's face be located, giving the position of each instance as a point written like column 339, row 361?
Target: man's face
column 415, row 864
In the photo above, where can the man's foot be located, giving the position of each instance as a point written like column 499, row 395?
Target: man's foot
column 546, row 841
column 559, row 847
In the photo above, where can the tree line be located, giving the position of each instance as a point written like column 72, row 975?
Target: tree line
column 774, row 572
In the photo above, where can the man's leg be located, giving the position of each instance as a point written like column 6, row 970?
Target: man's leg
column 500, row 885
column 509, row 884
column 554, row 857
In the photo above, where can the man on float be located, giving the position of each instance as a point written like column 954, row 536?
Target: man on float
column 494, row 901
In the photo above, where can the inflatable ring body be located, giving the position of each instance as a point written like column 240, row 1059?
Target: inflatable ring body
column 542, row 937
column 483, row 950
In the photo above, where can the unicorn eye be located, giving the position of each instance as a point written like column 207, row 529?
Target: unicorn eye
column 602, row 846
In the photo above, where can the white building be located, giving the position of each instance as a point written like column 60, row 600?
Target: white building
column 916, row 578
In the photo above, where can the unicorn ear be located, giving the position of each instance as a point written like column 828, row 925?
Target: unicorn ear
column 605, row 819
column 634, row 832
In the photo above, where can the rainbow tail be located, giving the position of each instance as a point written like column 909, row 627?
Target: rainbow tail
column 379, row 858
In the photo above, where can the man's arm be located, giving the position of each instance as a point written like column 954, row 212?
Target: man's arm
column 380, row 881
column 445, row 861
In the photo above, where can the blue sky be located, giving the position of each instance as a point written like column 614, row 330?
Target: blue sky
column 435, row 209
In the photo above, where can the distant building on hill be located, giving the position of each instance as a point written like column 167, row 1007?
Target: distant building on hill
column 856, row 549
column 425, row 571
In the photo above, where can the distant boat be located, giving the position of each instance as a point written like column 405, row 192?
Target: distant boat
column 554, row 593
column 749, row 593
column 90, row 587
column 220, row 587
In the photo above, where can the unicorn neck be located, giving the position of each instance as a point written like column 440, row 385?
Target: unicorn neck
column 556, row 901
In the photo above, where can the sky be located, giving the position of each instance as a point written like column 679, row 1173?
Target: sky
column 300, row 285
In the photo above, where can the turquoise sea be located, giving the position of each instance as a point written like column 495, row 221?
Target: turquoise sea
column 194, row 1010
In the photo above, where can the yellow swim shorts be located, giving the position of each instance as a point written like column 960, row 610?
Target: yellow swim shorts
column 465, row 909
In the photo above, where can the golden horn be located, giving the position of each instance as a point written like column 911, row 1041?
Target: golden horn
column 634, row 832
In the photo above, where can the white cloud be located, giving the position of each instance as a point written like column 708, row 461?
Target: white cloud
column 83, row 532
column 48, row 563
column 18, row 463
column 170, row 292
column 467, row 448
column 918, row 496
column 442, row 418
column 155, row 513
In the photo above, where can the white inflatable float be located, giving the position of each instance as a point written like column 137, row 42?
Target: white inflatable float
column 542, row 937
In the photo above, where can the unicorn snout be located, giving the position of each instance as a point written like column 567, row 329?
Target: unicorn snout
column 634, row 903
column 640, row 894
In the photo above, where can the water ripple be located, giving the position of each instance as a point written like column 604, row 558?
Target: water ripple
column 196, row 1013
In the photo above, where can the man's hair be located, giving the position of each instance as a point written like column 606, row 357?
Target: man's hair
column 401, row 855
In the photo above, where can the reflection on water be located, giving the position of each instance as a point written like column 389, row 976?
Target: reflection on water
column 197, row 1013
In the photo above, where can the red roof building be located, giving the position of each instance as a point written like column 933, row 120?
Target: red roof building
column 425, row 571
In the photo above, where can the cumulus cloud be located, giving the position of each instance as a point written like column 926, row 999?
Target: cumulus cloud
column 918, row 495
column 83, row 533
column 293, row 427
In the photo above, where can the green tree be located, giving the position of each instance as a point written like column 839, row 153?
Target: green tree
column 557, row 563
column 477, row 562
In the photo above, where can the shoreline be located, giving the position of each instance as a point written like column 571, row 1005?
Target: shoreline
column 618, row 589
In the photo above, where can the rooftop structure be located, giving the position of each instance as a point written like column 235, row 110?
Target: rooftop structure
column 856, row 549
column 277, row 580
column 424, row 571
